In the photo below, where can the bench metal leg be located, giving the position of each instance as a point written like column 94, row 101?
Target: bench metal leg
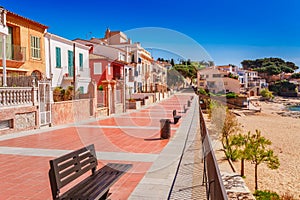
column 105, row 195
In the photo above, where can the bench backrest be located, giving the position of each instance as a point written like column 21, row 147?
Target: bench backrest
column 68, row 167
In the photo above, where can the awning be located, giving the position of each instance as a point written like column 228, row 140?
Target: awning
column 15, row 69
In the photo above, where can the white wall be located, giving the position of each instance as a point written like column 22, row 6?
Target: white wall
column 65, row 45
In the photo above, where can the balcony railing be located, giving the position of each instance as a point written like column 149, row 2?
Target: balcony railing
column 16, row 96
column 84, row 72
column 14, row 52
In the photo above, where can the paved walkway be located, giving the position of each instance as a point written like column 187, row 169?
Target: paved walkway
column 127, row 138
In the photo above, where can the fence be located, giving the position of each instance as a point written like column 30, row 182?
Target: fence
column 118, row 96
column 16, row 96
column 100, row 98
column 212, row 176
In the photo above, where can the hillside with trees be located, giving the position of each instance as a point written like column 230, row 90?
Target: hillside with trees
column 270, row 66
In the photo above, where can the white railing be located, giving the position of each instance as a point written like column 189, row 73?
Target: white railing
column 16, row 96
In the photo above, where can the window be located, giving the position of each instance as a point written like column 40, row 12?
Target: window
column 35, row 44
column 81, row 89
column 70, row 63
column 58, row 57
column 97, row 68
column 108, row 68
column 80, row 61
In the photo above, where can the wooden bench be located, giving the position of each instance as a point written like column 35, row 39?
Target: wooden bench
column 71, row 166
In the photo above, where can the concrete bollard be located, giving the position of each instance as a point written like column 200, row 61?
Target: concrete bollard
column 165, row 128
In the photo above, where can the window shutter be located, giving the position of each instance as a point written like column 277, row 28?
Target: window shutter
column 81, row 61
column 58, row 57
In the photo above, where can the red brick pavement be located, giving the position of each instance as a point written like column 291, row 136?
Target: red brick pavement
column 26, row 177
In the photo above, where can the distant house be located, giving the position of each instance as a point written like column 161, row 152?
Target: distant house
column 24, row 44
column 217, row 81
column 134, row 52
column 251, row 82
column 59, row 53
column 115, row 57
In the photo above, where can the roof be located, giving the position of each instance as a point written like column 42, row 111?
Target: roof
column 96, row 56
column 9, row 13
column 65, row 40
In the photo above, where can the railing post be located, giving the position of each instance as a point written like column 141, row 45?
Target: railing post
column 34, row 96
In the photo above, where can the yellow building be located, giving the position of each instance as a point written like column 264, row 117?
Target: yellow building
column 25, row 54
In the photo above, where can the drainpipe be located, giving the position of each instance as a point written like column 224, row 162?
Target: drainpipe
column 4, row 60
column 3, row 15
column 74, row 72
column 50, row 63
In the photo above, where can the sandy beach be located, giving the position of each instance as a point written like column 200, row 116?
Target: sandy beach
column 284, row 132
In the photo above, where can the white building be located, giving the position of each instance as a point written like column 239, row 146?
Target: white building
column 59, row 54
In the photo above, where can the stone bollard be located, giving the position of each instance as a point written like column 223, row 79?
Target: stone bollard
column 188, row 103
column 165, row 128
column 174, row 113
column 184, row 109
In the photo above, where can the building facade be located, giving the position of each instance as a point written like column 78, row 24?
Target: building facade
column 59, row 54
column 24, row 47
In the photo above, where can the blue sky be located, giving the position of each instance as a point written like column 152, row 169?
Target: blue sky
column 228, row 30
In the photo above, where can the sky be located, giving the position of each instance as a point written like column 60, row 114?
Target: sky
column 225, row 31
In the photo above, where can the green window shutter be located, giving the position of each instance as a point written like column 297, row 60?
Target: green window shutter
column 58, row 57
column 70, row 58
column 70, row 62
column 81, row 61
column 81, row 89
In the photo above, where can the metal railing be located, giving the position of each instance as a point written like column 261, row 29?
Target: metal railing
column 14, row 52
column 212, row 176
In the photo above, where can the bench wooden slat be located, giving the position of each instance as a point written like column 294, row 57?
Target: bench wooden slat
column 72, row 161
column 69, row 167
column 98, row 185
column 77, row 166
column 66, row 165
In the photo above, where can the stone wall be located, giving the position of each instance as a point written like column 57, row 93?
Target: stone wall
column 20, row 118
column 119, row 108
column 66, row 112
column 25, row 120
column 101, row 111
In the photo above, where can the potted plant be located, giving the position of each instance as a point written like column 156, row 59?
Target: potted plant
column 100, row 87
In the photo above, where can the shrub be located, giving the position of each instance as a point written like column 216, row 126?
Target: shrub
column 231, row 95
column 287, row 196
column 202, row 91
column 266, row 195
column 266, row 94
column 100, row 87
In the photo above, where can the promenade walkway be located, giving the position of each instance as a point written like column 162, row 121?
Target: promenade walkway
column 132, row 137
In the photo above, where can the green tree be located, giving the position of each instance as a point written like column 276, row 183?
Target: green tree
column 172, row 62
column 238, row 142
column 230, row 127
column 296, row 75
column 272, row 66
column 266, row 94
column 256, row 150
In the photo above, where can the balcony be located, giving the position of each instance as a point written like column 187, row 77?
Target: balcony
column 15, row 55
column 84, row 73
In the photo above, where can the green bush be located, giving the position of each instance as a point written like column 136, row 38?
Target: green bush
column 266, row 195
column 266, row 93
column 202, row 91
column 231, row 95
column 100, row 87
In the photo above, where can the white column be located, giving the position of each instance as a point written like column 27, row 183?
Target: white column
column 4, row 59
